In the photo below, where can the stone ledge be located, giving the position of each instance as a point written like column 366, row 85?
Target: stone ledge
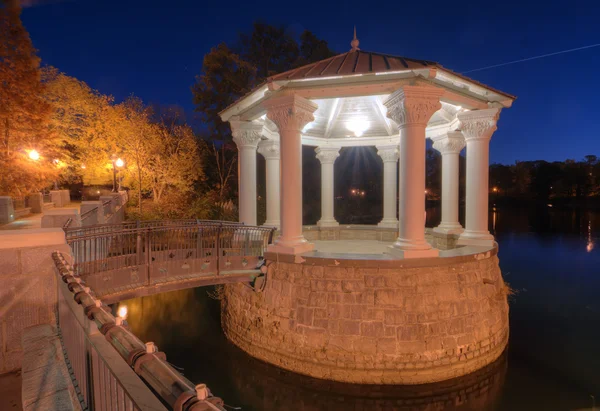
column 447, row 257
column 46, row 381
column 32, row 238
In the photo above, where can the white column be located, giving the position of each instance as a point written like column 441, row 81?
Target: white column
column 477, row 126
column 389, row 155
column 246, row 136
column 270, row 151
column 291, row 113
column 449, row 146
column 411, row 107
column 327, row 157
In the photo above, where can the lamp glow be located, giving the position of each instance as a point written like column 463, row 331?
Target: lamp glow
column 34, row 155
column 123, row 311
column 358, row 126
column 119, row 162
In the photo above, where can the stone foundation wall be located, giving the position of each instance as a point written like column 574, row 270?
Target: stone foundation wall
column 441, row 319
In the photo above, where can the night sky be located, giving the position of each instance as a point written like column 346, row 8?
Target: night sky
column 153, row 49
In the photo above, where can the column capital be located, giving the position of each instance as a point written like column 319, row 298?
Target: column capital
column 246, row 133
column 413, row 105
column 479, row 124
column 451, row 143
column 327, row 155
column 389, row 154
column 290, row 112
column 270, row 149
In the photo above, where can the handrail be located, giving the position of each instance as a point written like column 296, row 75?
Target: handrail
column 88, row 214
column 129, row 257
column 107, row 202
column 67, row 223
column 77, row 231
column 145, row 359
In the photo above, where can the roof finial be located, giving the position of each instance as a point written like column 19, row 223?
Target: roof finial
column 354, row 42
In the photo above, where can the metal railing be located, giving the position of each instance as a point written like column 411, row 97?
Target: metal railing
column 110, row 367
column 67, row 223
column 116, row 256
column 107, row 205
column 20, row 203
column 85, row 216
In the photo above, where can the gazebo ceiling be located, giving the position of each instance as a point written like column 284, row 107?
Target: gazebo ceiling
column 365, row 117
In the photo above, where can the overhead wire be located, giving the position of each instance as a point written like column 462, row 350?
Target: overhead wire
column 533, row 58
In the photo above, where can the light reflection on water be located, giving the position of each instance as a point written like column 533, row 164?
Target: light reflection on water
column 548, row 257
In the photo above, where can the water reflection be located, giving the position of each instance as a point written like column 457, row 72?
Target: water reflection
column 267, row 388
column 185, row 325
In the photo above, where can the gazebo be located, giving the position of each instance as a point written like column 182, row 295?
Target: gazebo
column 426, row 310
column 362, row 98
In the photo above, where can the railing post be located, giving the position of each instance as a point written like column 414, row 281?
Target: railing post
column 147, row 254
column 218, row 248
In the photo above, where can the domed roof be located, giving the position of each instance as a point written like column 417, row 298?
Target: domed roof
column 354, row 61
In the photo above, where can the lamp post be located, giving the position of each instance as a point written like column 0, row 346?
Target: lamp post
column 116, row 163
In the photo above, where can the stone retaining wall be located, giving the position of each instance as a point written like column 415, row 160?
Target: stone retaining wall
column 439, row 319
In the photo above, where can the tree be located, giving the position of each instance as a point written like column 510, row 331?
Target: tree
column 230, row 73
column 175, row 162
column 85, row 125
column 270, row 49
column 225, row 77
column 139, row 139
column 23, row 112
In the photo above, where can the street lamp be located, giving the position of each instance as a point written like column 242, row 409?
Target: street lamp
column 34, row 155
column 116, row 162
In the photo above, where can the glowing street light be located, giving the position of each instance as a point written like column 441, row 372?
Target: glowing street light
column 34, row 155
column 116, row 163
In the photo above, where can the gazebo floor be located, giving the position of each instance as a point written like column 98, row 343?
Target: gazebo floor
column 351, row 249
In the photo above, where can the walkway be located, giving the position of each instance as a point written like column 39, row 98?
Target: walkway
column 33, row 220
column 10, row 391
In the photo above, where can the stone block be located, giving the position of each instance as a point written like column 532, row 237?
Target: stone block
column 317, row 299
column 349, row 327
column 57, row 198
column 7, row 212
column 372, row 329
column 386, row 345
column 388, row 297
column 343, row 342
column 365, row 345
column 36, row 202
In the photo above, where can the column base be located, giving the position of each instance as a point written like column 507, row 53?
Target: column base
column 328, row 223
column 415, row 253
column 449, row 229
column 392, row 223
column 404, row 248
column 294, row 248
column 482, row 238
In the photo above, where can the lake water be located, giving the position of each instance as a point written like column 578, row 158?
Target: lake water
column 551, row 258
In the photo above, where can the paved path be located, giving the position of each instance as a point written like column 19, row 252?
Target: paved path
column 10, row 391
column 32, row 220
